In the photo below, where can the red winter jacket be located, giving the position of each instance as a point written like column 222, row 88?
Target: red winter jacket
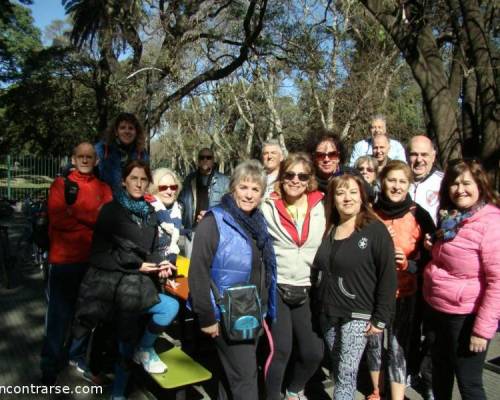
column 71, row 226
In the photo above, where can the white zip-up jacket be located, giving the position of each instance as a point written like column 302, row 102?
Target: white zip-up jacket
column 295, row 251
column 426, row 193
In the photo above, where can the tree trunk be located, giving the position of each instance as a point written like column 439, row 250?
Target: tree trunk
column 487, row 90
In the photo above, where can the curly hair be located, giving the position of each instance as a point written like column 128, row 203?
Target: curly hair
column 111, row 132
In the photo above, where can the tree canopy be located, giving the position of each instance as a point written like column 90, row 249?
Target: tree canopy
column 231, row 74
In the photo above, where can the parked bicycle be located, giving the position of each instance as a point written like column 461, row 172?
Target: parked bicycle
column 33, row 244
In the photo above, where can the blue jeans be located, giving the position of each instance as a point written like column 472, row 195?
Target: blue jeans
column 63, row 286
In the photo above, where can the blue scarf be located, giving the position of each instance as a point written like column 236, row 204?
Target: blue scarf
column 256, row 226
column 138, row 208
column 451, row 221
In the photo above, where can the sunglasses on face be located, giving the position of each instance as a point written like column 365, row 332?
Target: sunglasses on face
column 205, row 157
column 331, row 154
column 367, row 169
column 173, row 188
column 303, row 177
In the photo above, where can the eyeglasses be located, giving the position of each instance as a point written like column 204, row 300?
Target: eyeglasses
column 331, row 154
column 205, row 157
column 367, row 169
column 303, row 177
column 173, row 188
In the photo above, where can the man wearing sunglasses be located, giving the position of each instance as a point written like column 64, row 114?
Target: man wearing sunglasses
column 202, row 189
column 378, row 126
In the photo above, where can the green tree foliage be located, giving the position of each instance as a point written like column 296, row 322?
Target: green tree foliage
column 46, row 111
column 18, row 39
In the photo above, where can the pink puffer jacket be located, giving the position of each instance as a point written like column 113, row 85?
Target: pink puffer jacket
column 464, row 274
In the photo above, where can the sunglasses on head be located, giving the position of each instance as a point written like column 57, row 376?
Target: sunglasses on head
column 331, row 154
column 173, row 188
column 303, row 177
column 205, row 157
column 367, row 169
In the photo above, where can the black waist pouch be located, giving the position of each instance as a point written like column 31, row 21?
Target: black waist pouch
column 293, row 295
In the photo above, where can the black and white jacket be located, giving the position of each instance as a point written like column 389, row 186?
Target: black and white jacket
column 355, row 278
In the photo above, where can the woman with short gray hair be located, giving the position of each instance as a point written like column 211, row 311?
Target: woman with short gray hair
column 231, row 247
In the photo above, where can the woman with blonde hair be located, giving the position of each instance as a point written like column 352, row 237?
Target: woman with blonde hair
column 163, row 193
column 296, row 220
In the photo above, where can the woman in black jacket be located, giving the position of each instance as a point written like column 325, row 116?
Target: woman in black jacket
column 356, row 279
column 122, row 281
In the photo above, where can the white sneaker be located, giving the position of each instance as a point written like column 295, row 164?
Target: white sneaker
column 149, row 359
column 295, row 396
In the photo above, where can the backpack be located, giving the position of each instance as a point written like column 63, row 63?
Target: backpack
column 41, row 216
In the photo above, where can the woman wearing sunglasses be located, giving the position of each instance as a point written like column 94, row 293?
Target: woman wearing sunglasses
column 163, row 197
column 296, row 220
column 367, row 166
column 329, row 156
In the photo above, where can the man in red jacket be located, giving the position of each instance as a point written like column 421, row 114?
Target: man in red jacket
column 73, row 205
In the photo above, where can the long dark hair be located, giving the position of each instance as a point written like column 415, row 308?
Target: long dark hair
column 366, row 214
column 140, row 139
column 456, row 168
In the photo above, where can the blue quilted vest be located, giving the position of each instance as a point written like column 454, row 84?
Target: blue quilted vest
column 232, row 262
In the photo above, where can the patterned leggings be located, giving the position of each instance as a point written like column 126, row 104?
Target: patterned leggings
column 399, row 334
column 346, row 341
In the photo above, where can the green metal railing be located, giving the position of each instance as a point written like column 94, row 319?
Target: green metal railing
column 28, row 176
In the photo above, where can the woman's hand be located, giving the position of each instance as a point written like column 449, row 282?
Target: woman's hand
column 172, row 283
column 372, row 330
column 166, row 269
column 428, row 242
column 147, row 267
column 401, row 259
column 477, row 344
column 212, row 330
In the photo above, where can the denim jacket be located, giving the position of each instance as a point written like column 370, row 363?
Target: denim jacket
column 218, row 186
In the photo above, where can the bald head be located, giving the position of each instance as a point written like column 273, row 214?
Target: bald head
column 421, row 156
column 84, row 158
column 380, row 149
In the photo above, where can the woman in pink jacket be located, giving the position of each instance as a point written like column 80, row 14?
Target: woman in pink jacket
column 462, row 282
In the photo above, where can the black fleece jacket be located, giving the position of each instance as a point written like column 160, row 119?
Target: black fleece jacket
column 358, row 276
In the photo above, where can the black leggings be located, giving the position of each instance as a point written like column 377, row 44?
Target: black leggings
column 240, row 367
column 293, row 322
column 451, row 357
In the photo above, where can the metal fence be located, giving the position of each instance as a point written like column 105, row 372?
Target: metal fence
column 21, row 177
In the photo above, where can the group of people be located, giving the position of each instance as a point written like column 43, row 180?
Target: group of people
column 340, row 256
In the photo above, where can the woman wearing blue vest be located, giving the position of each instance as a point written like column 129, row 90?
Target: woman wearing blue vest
column 125, row 140
column 232, row 246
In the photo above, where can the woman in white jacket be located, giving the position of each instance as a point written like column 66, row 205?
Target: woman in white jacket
column 296, row 221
